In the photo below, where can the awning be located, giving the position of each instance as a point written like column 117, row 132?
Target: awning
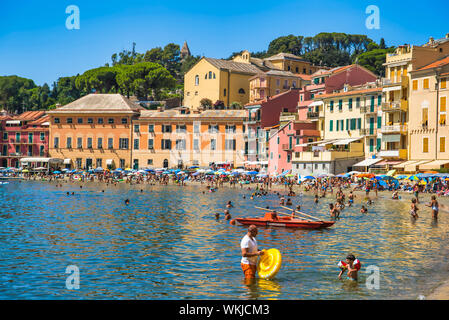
column 405, row 163
column 39, row 159
column 67, row 161
column 412, row 167
column 12, row 121
column 389, row 163
column 109, row 161
column 320, row 143
column 345, row 141
column 316, row 103
column 394, row 88
column 367, row 162
column 436, row 164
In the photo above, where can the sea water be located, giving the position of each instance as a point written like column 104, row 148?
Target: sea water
column 167, row 244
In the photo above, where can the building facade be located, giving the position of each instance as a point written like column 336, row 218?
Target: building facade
column 24, row 135
column 429, row 128
column 181, row 138
column 93, row 131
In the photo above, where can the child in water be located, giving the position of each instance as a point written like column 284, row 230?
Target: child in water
column 363, row 210
column 352, row 270
column 316, row 198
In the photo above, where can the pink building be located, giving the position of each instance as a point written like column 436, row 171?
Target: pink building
column 262, row 116
column 24, row 135
column 284, row 141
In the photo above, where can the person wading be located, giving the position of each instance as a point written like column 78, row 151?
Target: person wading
column 250, row 253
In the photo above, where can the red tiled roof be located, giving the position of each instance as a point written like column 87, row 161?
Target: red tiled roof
column 5, row 118
column 436, row 64
column 40, row 120
column 29, row 115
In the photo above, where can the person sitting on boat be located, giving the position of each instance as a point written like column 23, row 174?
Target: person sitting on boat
column 274, row 215
column 298, row 208
column 250, row 253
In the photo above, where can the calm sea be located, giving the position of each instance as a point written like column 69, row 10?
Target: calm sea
column 167, row 244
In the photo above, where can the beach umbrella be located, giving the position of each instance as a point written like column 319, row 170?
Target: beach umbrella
column 180, row 172
column 56, row 172
column 289, row 175
column 193, row 167
column 413, row 177
column 391, row 172
column 25, row 170
column 251, row 172
column 430, row 172
column 99, row 169
column 308, row 177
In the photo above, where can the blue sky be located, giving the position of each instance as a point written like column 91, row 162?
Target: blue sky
column 35, row 43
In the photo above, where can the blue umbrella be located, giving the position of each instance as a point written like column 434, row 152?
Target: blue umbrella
column 56, row 172
column 309, row 177
column 252, row 172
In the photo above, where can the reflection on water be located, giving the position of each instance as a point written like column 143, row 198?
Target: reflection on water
column 167, row 244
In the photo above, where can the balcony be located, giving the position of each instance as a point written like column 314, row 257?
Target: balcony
column 395, row 106
column 368, row 110
column 368, row 132
column 396, row 81
column 287, row 147
column 396, row 128
column 399, row 154
column 313, row 115
column 259, row 85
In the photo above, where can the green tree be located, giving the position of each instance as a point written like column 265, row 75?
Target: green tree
column 373, row 60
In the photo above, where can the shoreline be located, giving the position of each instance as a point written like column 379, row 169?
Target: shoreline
column 440, row 292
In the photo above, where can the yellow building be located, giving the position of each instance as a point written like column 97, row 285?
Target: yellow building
column 396, row 87
column 93, row 131
column 354, row 114
column 218, row 80
column 273, row 82
column 228, row 80
column 291, row 62
column 349, row 123
column 428, row 127
column 183, row 137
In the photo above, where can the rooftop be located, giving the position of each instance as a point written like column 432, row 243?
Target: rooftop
column 174, row 113
column 100, row 103
column 233, row 66
column 438, row 63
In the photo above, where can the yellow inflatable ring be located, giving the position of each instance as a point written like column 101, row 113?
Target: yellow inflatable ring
column 269, row 263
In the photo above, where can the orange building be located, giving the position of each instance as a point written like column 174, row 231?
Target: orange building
column 93, row 131
column 180, row 137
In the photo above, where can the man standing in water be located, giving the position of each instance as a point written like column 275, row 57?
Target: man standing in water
column 250, row 253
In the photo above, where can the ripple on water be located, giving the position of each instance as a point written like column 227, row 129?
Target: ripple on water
column 167, row 244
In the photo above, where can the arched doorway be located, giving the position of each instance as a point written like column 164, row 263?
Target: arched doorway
column 165, row 163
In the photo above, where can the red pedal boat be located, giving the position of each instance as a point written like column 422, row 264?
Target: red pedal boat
column 271, row 219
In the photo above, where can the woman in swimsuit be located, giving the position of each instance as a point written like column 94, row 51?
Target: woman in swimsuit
column 434, row 205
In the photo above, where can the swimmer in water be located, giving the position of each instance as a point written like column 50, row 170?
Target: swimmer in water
column 363, row 210
column 289, row 202
column 435, row 206
column 352, row 271
column 127, row 201
column 229, row 205
column 227, row 215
